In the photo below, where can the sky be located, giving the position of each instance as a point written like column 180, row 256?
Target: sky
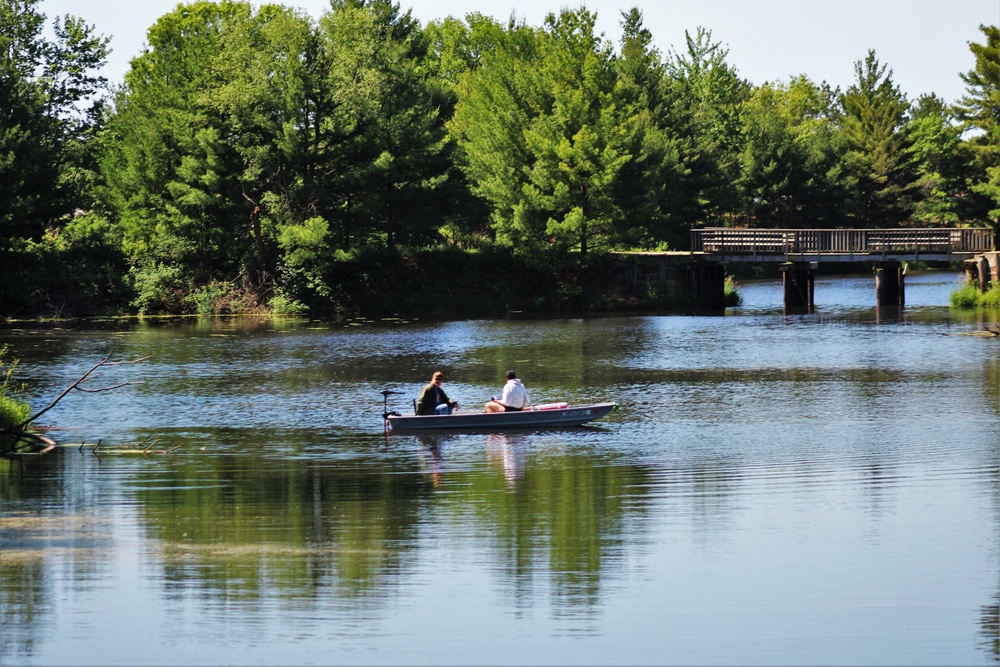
column 923, row 42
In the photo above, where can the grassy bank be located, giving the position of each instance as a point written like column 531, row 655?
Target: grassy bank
column 13, row 410
column 970, row 296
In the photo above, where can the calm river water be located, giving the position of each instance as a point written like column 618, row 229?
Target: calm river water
column 777, row 489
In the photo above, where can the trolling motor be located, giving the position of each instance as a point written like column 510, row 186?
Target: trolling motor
column 385, row 404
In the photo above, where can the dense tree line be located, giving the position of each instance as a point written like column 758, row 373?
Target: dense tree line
column 253, row 152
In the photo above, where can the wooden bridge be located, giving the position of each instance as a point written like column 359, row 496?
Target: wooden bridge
column 839, row 245
column 801, row 251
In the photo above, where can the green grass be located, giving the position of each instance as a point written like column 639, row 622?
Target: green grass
column 969, row 296
column 732, row 295
column 13, row 411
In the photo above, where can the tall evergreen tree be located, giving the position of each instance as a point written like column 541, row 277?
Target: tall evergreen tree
column 401, row 155
column 546, row 136
column 258, row 85
column 772, row 163
column 979, row 110
column 942, row 164
column 576, row 153
column 704, row 105
column 650, row 186
column 171, row 171
column 878, row 160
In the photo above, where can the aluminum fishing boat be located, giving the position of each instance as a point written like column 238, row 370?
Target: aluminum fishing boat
column 549, row 416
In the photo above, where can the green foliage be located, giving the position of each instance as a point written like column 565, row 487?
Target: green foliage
column 970, row 296
column 159, row 288
column 878, row 161
column 703, row 106
column 170, row 166
column 787, row 160
column 772, row 163
column 991, row 298
column 222, row 298
column 979, row 110
column 255, row 157
column 13, row 410
column 76, row 268
column 306, row 257
column 47, row 122
column 238, row 123
column 731, row 293
column 941, row 160
column 44, row 84
column 282, row 304
column 563, row 169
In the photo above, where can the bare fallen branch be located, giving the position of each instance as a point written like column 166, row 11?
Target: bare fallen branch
column 114, row 386
column 76, row 385
column 20, row 437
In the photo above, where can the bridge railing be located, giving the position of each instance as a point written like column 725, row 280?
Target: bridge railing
column 841, row 242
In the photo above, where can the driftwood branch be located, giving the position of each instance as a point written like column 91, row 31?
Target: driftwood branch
column 76, row 385
column 30, row 438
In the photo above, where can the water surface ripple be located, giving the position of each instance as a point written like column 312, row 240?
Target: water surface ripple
column 778, row 488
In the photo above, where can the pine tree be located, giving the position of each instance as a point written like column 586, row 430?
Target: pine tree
column 979, row 110
column 878, row 159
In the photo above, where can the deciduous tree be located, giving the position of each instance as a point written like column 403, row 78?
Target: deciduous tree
column 49, row 107
column 942, row 164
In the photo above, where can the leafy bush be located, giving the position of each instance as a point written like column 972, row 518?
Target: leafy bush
column 282, row 304
column 75, row 268
column 305, row 264
column 223, row 297
column 159, row 288
column 991, row 298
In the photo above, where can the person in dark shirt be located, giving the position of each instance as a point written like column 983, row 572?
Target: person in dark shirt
column 433, row 400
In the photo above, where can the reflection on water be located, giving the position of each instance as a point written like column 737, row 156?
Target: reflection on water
column 506, row 451
column 794, row 489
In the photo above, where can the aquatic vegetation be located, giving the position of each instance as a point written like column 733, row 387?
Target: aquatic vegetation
column 969, row 296
column 732, row 296
column 14, row 412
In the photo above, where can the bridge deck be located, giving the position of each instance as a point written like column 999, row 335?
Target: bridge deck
column 839, row 245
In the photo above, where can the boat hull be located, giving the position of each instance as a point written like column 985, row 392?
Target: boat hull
column 570, row 416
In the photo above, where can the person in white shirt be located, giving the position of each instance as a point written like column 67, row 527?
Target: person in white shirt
column 513, row 399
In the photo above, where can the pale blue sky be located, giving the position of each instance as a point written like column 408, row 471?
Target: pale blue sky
column 924, row 42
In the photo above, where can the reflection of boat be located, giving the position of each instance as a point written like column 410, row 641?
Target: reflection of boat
column 573, row 415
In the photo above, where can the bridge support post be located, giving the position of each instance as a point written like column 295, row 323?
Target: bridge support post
column 989, row 268
column 983, row 265
column 799, row 281
column 706, row 282
column 890, row 287
column 982, row 269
